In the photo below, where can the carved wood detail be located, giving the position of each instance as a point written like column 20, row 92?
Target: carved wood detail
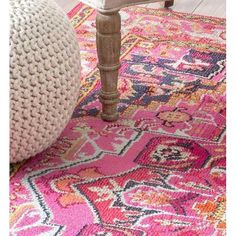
column 108, row 37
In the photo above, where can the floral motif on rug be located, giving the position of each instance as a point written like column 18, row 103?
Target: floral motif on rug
column 160, row 169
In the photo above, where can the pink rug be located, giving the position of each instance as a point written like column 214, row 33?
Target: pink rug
column 158, row 170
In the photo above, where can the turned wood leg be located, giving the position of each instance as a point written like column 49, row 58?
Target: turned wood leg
column 108, row 48
column 169, row 3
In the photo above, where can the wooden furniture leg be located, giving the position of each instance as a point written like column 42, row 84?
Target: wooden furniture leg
column 169, row 3
column 108, row 49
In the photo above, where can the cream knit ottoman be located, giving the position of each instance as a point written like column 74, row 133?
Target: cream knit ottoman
column 44, row 75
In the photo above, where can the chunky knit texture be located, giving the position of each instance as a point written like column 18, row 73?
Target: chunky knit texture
column 44, row 75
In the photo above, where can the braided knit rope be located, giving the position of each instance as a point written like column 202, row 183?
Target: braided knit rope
column 44, row 75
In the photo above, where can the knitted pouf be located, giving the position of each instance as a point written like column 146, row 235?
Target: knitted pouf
column 44, row 75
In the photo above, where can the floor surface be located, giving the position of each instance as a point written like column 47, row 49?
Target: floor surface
column 215, row 8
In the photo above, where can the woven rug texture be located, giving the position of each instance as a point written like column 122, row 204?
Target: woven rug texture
column 160, row 170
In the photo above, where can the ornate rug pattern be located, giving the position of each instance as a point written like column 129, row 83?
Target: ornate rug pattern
column 158, row 170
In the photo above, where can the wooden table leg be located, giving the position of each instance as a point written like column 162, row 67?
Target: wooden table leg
column 169, row 3
column 108, row 48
